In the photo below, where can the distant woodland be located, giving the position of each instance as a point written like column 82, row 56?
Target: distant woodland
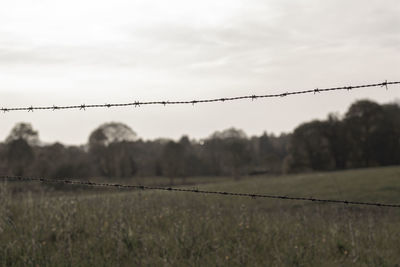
column 368, row 134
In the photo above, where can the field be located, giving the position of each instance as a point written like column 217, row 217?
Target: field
column 149, row 228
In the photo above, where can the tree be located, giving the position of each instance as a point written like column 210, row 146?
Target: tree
column 173, row 160
column 364, row 123
column 237, row 156
column 335, row 131
column 19, row 156
column 267, row 154
column 24, row 131
column 111, row 148
column 230, row 133
column 109, row 133
column 388, row 150
column 309, row 149
column 228, row 152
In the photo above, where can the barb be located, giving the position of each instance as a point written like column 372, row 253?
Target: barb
column 192, row 102
column 196, row 191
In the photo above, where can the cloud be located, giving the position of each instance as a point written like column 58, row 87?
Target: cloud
column 252, row 34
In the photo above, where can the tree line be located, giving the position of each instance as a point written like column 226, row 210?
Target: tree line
column 368, row 134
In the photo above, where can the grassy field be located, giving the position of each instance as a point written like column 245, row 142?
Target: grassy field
column 149, row 228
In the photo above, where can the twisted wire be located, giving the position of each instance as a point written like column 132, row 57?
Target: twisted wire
column 198, row 101
column 195, row 191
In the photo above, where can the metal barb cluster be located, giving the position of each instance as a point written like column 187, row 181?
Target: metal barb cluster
column 195, row 190
column 192, row 102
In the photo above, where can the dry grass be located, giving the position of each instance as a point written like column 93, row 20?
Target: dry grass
column 110, row 228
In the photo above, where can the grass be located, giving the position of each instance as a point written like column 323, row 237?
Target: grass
column 130, row 228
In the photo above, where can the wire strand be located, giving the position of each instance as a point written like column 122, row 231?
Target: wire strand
column 193, row 102
column 195, row 191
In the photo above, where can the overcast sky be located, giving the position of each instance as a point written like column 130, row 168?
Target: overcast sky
column 97, row 51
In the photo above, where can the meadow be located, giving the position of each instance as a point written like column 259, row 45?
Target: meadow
column 77, row 226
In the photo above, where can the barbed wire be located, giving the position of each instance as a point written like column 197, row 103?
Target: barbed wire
column 193, row 102
column 196, row 191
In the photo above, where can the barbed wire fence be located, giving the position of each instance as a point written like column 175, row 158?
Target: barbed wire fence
column 195, row 191
column 198, row 101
